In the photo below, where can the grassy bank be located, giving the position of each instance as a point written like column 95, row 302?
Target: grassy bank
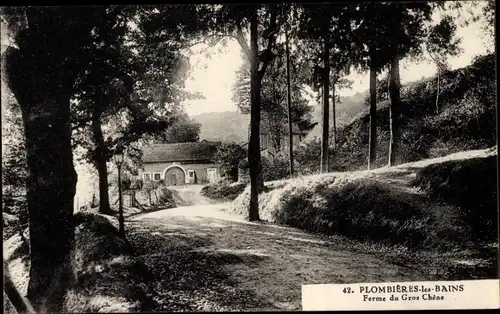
column 471, row 186
column 436, row 207
column 109, row 277
column 465, row 120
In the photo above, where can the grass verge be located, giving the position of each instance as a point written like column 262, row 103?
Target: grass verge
column 414, row 223
column 109, row 277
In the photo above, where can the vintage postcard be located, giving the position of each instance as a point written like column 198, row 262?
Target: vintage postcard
column 250, row 157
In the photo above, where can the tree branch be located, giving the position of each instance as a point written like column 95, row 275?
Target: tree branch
column 242, row 41
column 271, row 39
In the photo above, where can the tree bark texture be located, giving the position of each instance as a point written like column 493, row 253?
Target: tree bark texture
column 437, row 88
column 334, row 135
column 121, row 221
column 39, row 75
column 254, row 156
column 289, row 102
column 394, row 113
column 372, row 150
column 101, row 164
column 326, row 107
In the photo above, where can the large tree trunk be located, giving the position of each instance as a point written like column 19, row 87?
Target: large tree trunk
column 41, row 74
column 51, row 188
column 289, row 103
column 326, row 107
column 254, row 158
column 100, row 163
column 51, row 182
column 394, row 113
column 372, row 150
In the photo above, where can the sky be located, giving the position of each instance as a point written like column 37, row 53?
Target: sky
column 215, row 77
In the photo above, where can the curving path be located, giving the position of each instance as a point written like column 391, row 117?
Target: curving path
column 205, row 259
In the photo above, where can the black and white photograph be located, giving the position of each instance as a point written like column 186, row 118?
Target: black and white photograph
column 219, row 157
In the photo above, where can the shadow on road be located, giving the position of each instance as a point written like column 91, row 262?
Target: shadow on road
column 188, row 278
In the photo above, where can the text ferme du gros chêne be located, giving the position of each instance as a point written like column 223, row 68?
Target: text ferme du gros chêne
column 402, row 292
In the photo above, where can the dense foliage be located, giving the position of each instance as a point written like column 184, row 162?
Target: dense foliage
column 455, row 183
column 466, row 120
column 228, row 157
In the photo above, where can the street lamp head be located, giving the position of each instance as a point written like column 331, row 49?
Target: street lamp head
column 118, row 157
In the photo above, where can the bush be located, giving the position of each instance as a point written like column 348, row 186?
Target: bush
column 276, row 167
column 223, row 190
column 155, row 193
column 165, row 197
column 229, row 156
column 469, row 184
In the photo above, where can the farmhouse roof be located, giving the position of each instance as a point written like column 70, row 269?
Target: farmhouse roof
column 196, row 151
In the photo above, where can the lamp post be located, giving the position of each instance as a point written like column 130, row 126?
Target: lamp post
column 121, row 221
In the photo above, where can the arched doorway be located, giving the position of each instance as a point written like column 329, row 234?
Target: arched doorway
column 175, row 175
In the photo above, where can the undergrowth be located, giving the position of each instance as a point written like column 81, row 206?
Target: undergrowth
column 470, row 185
column 223, row 190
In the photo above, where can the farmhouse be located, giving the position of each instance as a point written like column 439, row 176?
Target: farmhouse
column 181, row 163
column 274, row 138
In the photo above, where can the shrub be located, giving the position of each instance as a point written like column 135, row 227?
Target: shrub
column 244, row 164
column 155, row 193
column 165, row 197
column 229, row 156
column 223, row 190
column 276, row 167
column 469, row 184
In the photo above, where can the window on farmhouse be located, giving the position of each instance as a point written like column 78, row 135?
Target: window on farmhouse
column 157, row 176
column 146, row 176
column 191, row 173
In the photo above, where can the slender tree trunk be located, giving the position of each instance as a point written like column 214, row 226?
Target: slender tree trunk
column 289, row 103
column 20, row 303
column 100, row 163
column 334, row 135
column 372, row 150
column 394, row 113
column 437, row 91
column 326, row 119
column 254, row 158
column 121, row 222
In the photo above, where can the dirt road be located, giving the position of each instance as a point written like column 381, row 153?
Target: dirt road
column 208, row 260
column 189, row 195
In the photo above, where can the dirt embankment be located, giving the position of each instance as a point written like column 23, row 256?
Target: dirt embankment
column 109, row 277
column 389, row 206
